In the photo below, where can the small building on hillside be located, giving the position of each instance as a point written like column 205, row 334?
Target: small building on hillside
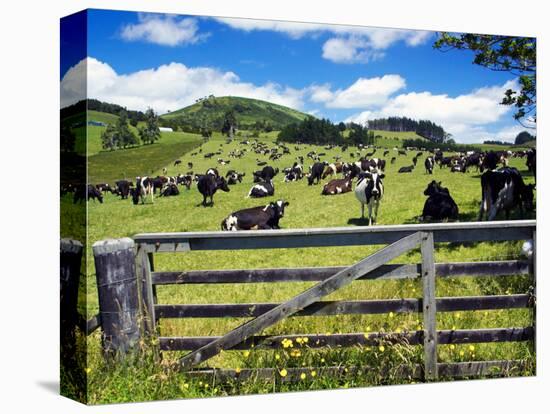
column 96, row 123
column 165, row 129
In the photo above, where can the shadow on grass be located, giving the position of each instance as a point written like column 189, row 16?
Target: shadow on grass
column 358, row 221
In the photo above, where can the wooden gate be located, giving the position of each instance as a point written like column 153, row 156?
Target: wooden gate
column 399, row 239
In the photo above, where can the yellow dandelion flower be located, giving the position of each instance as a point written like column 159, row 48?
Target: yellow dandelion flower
column 398, row 330
column 238, row 371
column 185, row 385
column 313, row 373
column 306, row 340
column 368, row 329
column 200, row 383
column 366, row 335
column 381, row 348
column 206, row 386
column 453, row 346
column 486, row 313
column 419, row 328
column 322, row 360
column 473, row 355
column 283, row 373
column 277, row 357
column 88, row 370
column 472, row 348
column 303, row 376
column 461, row 353
column 246, row 354
column 391, row 315
column 457, row 315
column 346, row 370
column 299, row 340
column 453, row 328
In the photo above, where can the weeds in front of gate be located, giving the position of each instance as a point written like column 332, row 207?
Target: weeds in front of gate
column 144, row 376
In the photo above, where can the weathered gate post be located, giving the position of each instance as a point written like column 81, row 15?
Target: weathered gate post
column 118, row 294
column 70, row 262
column 428, row 306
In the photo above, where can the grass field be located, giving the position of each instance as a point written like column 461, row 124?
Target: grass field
column 403, row 200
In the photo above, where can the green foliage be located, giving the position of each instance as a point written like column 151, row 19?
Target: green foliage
column 523, row 137
column 424, row 128
column 108, row 138
column 150, row 132
column 311, row 131
column 447, row 146
column 229, row 123
column 360, row 135
column 68, row 139
column 119, row 135
column 517, row 55
column 250, row 113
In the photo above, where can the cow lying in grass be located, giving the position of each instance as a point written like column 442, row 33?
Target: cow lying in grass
column 439, row 205
column 256, row 218
column 337, row 186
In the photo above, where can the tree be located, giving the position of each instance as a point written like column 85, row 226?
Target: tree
column 150, row 132
column 341, row 127
column 229, row 124
column 516, row 55
column 108, row 138
column 523, row 137
column 124, row 136
column 68, row 139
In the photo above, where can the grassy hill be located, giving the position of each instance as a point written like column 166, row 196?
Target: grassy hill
column 247, row 111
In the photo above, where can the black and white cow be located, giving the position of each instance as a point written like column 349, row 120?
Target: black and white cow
column 185, row 180
column 408, row 169
column 369, row 190
column 169, row 189
column 531, row 162
column 337, row 186
column 429, row 163
column 123, row 188
column 234, row 177
column 177, row 162
column 316, row 172
column 94, row 194
column 439, row 205
column 262, row 189
column 105, row 188
column 265, row 174
column 144, row 187
column 208, row 184
column 504, row 189
column 294, row 173
column 261, row 217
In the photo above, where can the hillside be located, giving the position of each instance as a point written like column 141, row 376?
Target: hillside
column 248, row 111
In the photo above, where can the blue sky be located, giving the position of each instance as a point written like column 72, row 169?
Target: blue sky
column 341, row 72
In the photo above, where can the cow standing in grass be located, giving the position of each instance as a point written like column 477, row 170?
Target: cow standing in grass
column 208, row 184
column 369, row 190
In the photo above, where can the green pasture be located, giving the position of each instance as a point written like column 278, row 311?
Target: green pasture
column 143, row 379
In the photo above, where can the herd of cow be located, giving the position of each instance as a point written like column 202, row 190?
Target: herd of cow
column 502, row 189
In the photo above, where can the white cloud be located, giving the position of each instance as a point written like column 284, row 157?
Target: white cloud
column 465, row 116
column 369, row 44
column 165, row 30
column 173, row 86
column 73, row 85
column 352, row 44
column 509, row 133
column 362, row 93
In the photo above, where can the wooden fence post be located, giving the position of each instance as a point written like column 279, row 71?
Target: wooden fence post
column 428, row 306
column 147, row 294
column 70, row 263
column 118, row 294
